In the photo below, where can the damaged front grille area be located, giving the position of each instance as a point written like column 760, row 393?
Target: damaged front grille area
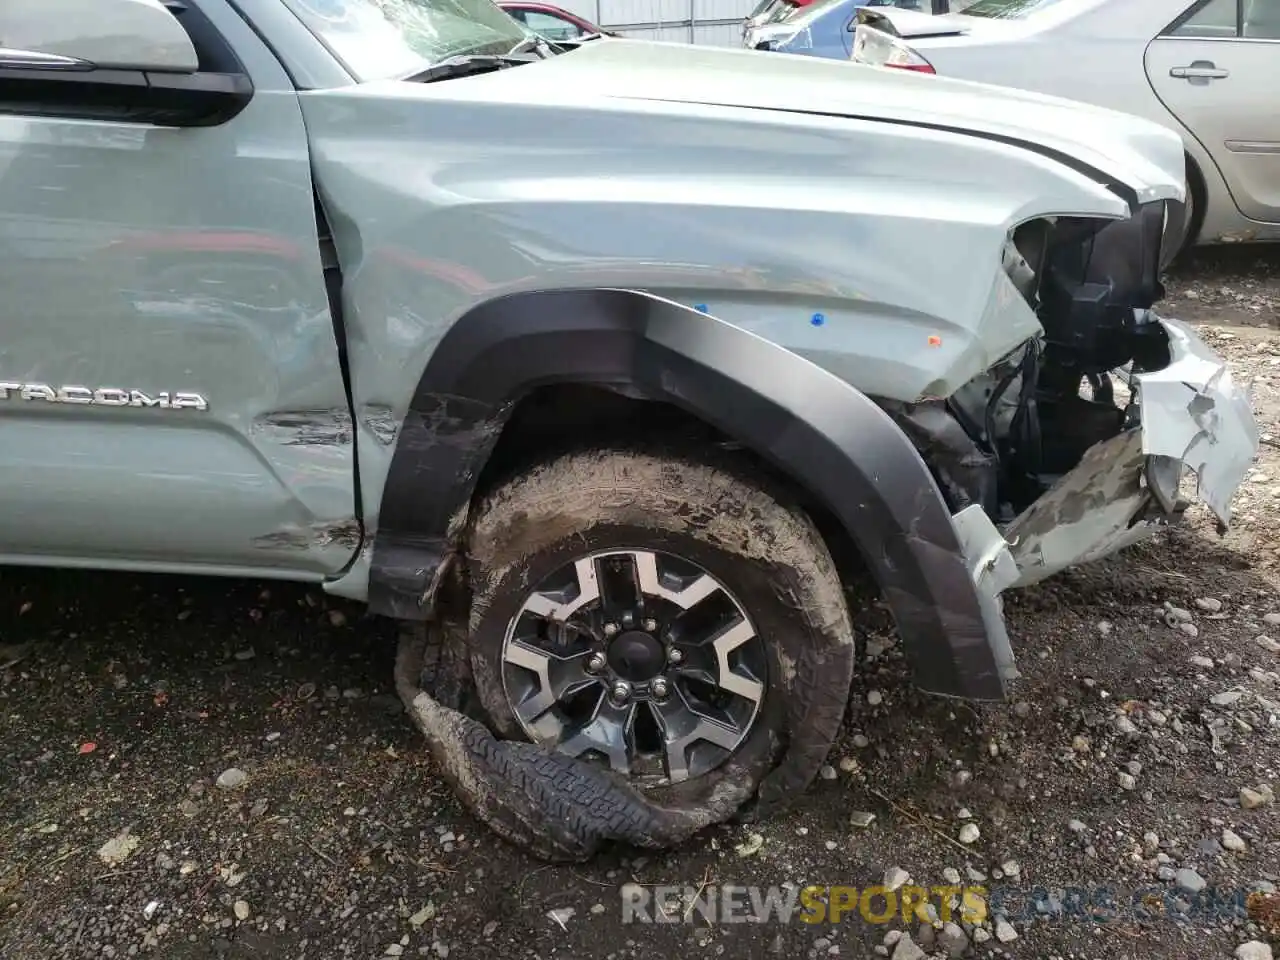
column 1006, row 437
column 1077, row 442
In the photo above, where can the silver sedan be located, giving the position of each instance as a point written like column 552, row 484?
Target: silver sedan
column 1210, row 69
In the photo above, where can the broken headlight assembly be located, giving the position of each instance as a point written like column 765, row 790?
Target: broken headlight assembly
column 1038, row 410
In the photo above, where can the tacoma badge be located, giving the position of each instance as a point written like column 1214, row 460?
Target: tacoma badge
column 103, row 396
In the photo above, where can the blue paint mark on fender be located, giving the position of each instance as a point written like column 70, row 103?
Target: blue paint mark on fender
column 817, row 320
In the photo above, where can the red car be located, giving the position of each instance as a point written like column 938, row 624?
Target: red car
column 551, row 22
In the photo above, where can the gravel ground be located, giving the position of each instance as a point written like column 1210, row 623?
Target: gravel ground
column 200, row 769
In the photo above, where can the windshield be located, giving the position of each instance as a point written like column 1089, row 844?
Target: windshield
column 809, row 13
column 772, row 11
column 820, row 8
column 378, row 39
column 1005, row 9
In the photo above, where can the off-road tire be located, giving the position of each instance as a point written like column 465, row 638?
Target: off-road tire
column 752, row 538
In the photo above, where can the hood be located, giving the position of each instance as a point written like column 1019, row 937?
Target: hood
column 912, row 23
column 1141, row 157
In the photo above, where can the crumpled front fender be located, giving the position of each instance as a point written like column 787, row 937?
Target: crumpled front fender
column 839, row 444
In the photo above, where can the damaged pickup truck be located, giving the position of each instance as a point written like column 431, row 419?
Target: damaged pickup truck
column 604, row 366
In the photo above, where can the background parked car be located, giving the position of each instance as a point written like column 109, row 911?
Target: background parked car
column 815, row 28
column 550, row 22
column 1206, row 68
column 770, row 12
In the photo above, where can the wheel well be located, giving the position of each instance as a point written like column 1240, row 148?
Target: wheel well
column 556, row 419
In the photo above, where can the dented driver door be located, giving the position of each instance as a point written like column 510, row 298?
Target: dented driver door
column 170, row 389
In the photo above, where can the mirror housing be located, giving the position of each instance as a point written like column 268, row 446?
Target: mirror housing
column 124, row 61
column 107, row 34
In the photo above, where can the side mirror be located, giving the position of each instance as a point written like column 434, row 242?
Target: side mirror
column 107, row 34
column 116, row 60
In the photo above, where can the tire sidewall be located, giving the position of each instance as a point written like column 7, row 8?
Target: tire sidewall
column 531, row 544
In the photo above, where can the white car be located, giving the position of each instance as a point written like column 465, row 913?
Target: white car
column 1209, row 69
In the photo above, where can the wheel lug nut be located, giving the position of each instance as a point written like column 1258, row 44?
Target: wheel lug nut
column 674, row 655
column 659, row 687
column 622, row 691
column 651, row 625
column 610, row 629
column 595, row 663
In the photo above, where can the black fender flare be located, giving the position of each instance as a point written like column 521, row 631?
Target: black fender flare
column 830, row 438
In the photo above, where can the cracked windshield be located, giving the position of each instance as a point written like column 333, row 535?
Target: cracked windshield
column 379, row 39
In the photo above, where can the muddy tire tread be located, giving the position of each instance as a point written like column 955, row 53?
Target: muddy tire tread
column 559, row 808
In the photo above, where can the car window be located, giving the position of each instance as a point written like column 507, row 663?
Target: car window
column 777, row 11
column 1005, row 9
column 1213, row 20
column 551, row 26
column 1230, row 19
column 801, row 15
column 1261, row 19
column 379, row 39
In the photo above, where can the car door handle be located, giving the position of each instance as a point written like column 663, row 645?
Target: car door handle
column 1200, row 70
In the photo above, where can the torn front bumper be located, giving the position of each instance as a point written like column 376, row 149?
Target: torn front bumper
column 1193, row 417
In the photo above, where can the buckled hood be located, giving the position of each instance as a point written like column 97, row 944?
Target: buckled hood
column 1141, row 159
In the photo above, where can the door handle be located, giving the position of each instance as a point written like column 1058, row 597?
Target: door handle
column 1200, row 71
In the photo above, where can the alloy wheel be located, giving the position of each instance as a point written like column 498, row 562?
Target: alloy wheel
column 636, row 659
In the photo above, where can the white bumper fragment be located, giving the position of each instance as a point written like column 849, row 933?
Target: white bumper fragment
column 1194, row 412
column 993, row 570
column 1193, row 415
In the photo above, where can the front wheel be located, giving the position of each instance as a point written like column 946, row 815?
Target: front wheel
column 1180, row 234
column 661, row 620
